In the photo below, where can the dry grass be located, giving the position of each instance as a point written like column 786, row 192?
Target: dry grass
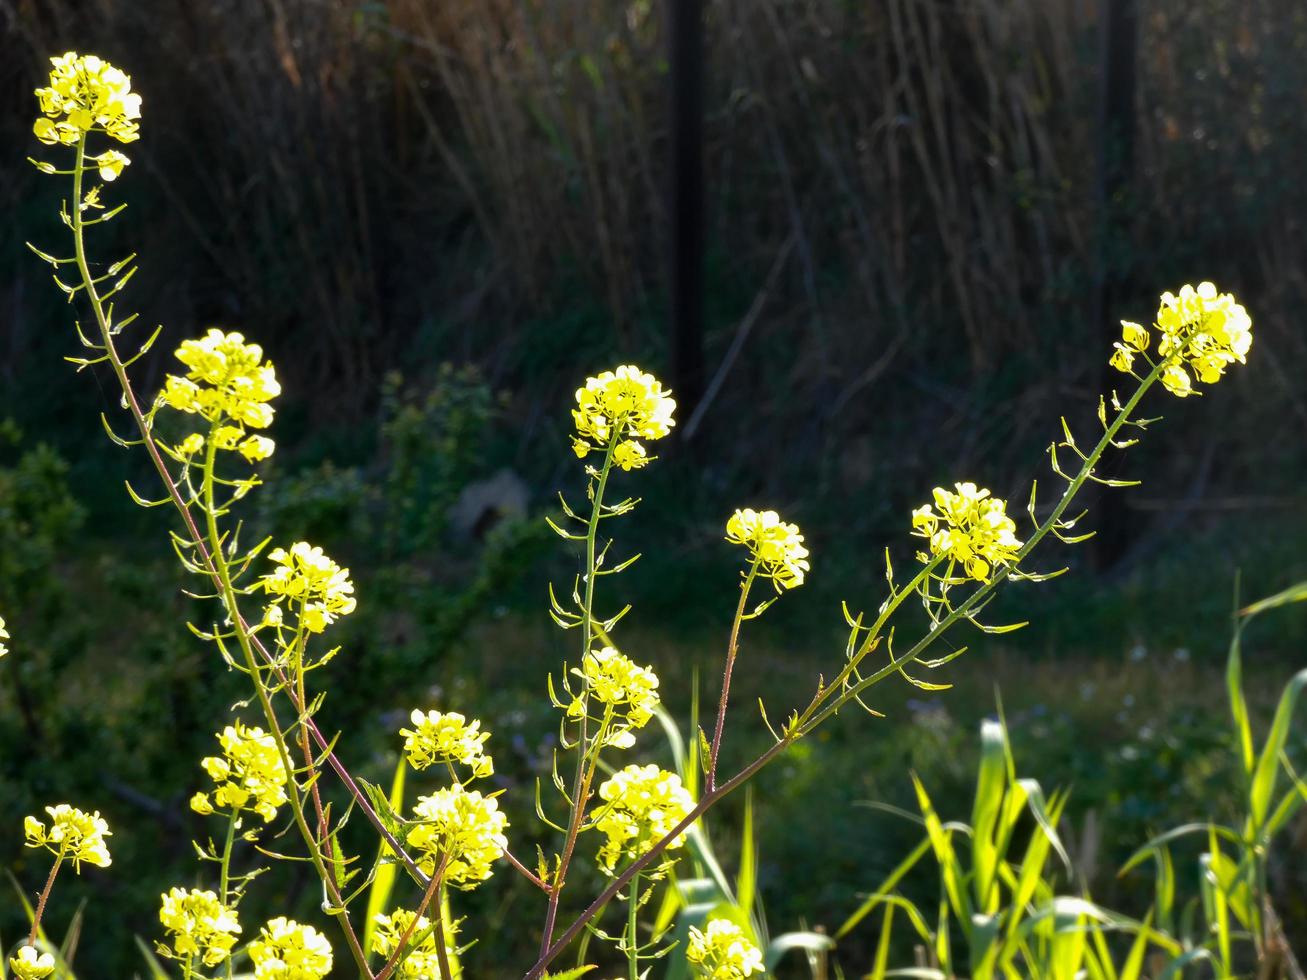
column 341, row 177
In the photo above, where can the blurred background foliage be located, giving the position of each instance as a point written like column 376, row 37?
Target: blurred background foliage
column 439, row 217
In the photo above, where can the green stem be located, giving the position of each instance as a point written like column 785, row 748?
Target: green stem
column 226, row 856
column 732, row 648
column 188, row 518
column 223, row 570
column 778, row 748
column 633, row 907
column 45, row 896
column 584, row 775
column 433, row 890
column 1000, row 575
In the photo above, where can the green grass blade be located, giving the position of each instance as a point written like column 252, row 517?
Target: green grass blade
column 991, row 782
column 1238, row 705
column 1268, row 763
column 881, row 894
column 383, row 878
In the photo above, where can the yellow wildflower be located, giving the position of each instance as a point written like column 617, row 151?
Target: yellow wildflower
column 615, row 680
column 972, row 528
column 722, row 952
column 421, row 962
column 191, row 445
column 249, row 773
column 1176, row 380
column 286, row 950
column 72, row 834
column 448, row 738
column 227, row 379
column 86, row 93
column 1135, row 335
column 198, row 925
column 111, row 163
column 29, row 964
column 313, row 585
column 462, row 827
column 642, row 804
column 1123, row 358
column 774, row 544
column 4, row 635
column 630, row 455
column 255, row 448
column 1202, row 333
column 623, row 404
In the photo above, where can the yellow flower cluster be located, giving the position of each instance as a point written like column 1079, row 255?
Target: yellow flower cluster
column 73, row 834
column 421, row 961
column 249, row 773
column 641, row 806
column 972, row 529
column 4, row 635
column 617, row 681
column 228, row 381
column 1202, row 331
column 774, row 544
column 29, row 964
column 86, row 93
column 722, row 952
column 447, row 737
column 462, row 827
column 286, row 950
column 621, row 406
column 314, row 585
column 198, row 926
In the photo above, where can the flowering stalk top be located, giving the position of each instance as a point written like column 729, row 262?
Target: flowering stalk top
column 971, row 528
column 641, row 806
column 776, row 545
column 249, row 773
column 316, row 587
column 461, row 827
column 31, row 964
column 421, row 961
column 617, row 682
column 86, row 94
column 1202, row 330
column 622, row 405
column 198, row 925
column 449, row 738
column 286, row 950
column 73, row 833
column 722, row 952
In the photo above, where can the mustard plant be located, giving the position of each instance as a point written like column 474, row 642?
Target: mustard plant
column 279, row 600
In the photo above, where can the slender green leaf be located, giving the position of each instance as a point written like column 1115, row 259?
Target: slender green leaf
column 383, row 876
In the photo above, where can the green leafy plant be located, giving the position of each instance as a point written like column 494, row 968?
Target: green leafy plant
column 269, row 612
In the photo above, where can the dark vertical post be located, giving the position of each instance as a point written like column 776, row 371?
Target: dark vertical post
column 685, row 56
column 1116, row 165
